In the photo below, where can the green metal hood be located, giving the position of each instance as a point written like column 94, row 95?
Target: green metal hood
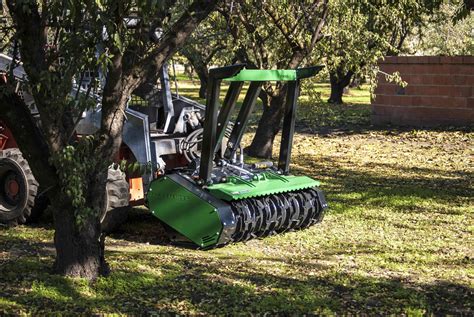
column 275, row 74
column 264, row 184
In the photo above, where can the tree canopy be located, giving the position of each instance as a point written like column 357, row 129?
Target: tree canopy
column 445, row 32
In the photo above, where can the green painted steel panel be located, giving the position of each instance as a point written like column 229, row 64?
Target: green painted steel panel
column 266, row 184
column 264, row 75
column 184, row 211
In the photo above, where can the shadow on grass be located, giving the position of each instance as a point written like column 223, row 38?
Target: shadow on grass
column 348, row 128
column 381, row 183
column 142, row 227
column 232, row 285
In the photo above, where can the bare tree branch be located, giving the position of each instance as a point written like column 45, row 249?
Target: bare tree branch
column 295, row 46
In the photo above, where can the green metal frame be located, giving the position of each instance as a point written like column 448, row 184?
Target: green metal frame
column 214, row 125
column 203, row 214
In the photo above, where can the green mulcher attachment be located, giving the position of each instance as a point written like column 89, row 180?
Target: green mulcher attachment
column 219, row 198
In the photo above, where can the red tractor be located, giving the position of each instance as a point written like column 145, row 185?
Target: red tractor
column 155, row 128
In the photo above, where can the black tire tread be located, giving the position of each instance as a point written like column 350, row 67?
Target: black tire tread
column 21, row 216
column 116, row 201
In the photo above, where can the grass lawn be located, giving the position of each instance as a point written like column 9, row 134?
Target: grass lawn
column 398, row 238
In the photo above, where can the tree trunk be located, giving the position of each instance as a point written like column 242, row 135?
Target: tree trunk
column 78, row 239
column 339, row 81
column 79, row 248
column 263, row 96
column 203, row 85
column 79, row 253
column 200, row 67
column 268, row 126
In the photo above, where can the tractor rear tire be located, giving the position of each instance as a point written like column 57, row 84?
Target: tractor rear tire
column 18, row 188
column 116, row 201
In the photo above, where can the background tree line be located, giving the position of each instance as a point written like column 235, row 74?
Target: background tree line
column 348, row 37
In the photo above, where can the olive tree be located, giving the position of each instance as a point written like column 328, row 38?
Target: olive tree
column 128, row 41
column 209, row 43
column 448, row 31
column 268, row 35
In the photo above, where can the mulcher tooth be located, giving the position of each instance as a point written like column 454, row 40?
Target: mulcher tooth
column 243, row 220
column 274, row 216
column 264, row 211
column 282, row 211
column 307, row 205
column 302, row 214
column 321, row 204
column 259, row 217
column 292, row 213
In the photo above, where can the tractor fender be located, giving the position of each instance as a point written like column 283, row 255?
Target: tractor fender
column 136, row 136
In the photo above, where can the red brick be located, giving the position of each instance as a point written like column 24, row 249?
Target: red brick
column 412, row 121
column 433, row 59
column 441, row 102
column 391, row 60
column 380, row 120
column 466, row 91
column 378, row 109
column 464, row 80
column 399, row 100
column 382, row 99
column 468, row 59
column 449, row 60
column 414, row 79
column 385, row 89
column 425, row 116
column 403, row 59
column 436, row 122
column 414, row 69
column 439, row 90
column 422, row 90
column 390, row 68
column 461, row 69
column 440, row 80
column 380, row 78
column 444, row 114
column 470, row 103
column 456, row 91
column 465, row 115
column 415, row 59
column 421, row 112
column 422, row 79
column 425, row 69
column 434, row 113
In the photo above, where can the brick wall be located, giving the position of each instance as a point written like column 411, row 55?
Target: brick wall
column 440, row 92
